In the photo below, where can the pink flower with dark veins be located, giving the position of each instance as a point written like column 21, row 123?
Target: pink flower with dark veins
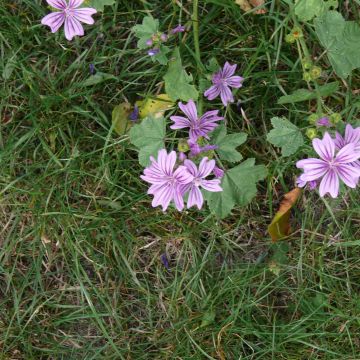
column 166, row 181
column 332, row 166
column 70, row 15
column 222, row 81
column 200, row 174
column 199, row 126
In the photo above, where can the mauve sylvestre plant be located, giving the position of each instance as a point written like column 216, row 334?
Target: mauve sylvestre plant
column 200, row 168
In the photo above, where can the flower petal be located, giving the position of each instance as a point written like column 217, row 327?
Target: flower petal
column 167, row 161
column 179, row 122
column 195, row 198
column 182, row 175
column 75, row 3
column 57, row 4
column 212, row 185
column 206, row 167
column 226, row 95
column 325, row 147
column 163, row 196
column 339, row 141
column 347, row 154
column 235, row 81
column 84, row 15
column 54, row 21
column 73, row 28
column 228, row 70
column 329, row 184
column 191, row 167
column 212, row 93
column 352, row 135
column 313, row 168
column 349, row 175
column 189, row 110
column 311, row 163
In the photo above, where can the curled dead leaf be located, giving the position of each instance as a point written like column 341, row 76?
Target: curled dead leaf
column 280, row 225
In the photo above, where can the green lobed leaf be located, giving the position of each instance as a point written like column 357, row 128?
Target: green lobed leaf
column 306, row 10
column 145, row 31
column 227, row 144
column 239, row 188
column 178, row 82
column 148, row 137
column 285, row 135
column 305, row 94
column 341, row 40
column 98, row 4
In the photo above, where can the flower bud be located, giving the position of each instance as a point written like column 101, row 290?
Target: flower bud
column 163, row 37
column 149, row 42
column 289, row 38
column 307, row 64
column 307, row 76
column 323, row 121
column 311, row 133
column 312, row 119
column 315, row 72
column 183, row 146
column 335, row 118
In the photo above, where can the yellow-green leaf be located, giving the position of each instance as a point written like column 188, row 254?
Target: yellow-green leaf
column 120, row 118
column 154, row 107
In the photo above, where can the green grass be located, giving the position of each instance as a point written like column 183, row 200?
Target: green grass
column 80, row 269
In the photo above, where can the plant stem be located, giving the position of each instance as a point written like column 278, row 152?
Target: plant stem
column 195, row 19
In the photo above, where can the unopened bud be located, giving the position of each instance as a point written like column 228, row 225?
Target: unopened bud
column 311, row 133
column 335, row 118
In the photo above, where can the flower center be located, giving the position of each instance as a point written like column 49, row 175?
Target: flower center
column 171, row 180
column 197, row 181
column 69, row 12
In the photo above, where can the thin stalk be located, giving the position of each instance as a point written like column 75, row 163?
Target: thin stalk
column 195, row 19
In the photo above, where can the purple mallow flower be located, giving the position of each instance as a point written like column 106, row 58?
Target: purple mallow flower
column 178, row 29
column 166, row 181
column 324, row 121
column 222, row 81
column 331, row 167
column 199, row 181
column 198, row 126
column 71, row 15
